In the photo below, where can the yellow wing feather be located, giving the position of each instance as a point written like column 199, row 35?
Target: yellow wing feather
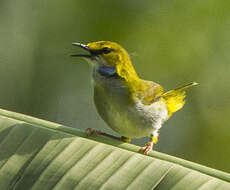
column 149, row 92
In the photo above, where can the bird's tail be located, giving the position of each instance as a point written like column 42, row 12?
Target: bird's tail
column 186, row 86
column 174, row 99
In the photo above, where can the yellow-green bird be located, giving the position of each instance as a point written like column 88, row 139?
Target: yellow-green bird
column 131, row 106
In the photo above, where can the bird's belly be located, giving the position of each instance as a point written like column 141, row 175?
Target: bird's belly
column 132, row 120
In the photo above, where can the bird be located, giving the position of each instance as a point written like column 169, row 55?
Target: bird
column 131, row 106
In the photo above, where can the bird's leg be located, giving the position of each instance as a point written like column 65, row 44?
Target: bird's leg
column 152, row 140
column 90, row 131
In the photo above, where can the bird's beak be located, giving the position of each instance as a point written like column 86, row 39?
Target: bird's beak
column 83, row 46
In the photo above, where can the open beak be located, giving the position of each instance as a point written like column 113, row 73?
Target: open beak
column 83, row 46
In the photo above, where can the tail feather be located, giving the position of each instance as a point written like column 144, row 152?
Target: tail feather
column 187, row 86
column 174, row 99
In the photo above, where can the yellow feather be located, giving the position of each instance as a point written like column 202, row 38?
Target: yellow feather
column 174, row 99
column 147, row 91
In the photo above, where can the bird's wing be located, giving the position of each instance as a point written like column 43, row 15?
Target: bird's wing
column 152, row 92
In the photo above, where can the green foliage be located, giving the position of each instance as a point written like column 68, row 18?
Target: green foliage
column 37, row 154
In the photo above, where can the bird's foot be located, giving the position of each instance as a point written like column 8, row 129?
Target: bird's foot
column 90, row 131
column 147, row 148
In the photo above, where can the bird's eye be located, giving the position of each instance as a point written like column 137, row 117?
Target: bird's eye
column 106, row 50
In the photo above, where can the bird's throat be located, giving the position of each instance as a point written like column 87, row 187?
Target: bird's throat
column 107, row 71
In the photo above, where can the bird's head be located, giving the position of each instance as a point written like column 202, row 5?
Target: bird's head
column 110, row 56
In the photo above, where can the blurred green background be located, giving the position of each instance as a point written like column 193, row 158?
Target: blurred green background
column 171, row 42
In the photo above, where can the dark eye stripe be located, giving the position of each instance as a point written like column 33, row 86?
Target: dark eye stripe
column 106, row 50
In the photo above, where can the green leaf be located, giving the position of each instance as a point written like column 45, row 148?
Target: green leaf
column 37, row 154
